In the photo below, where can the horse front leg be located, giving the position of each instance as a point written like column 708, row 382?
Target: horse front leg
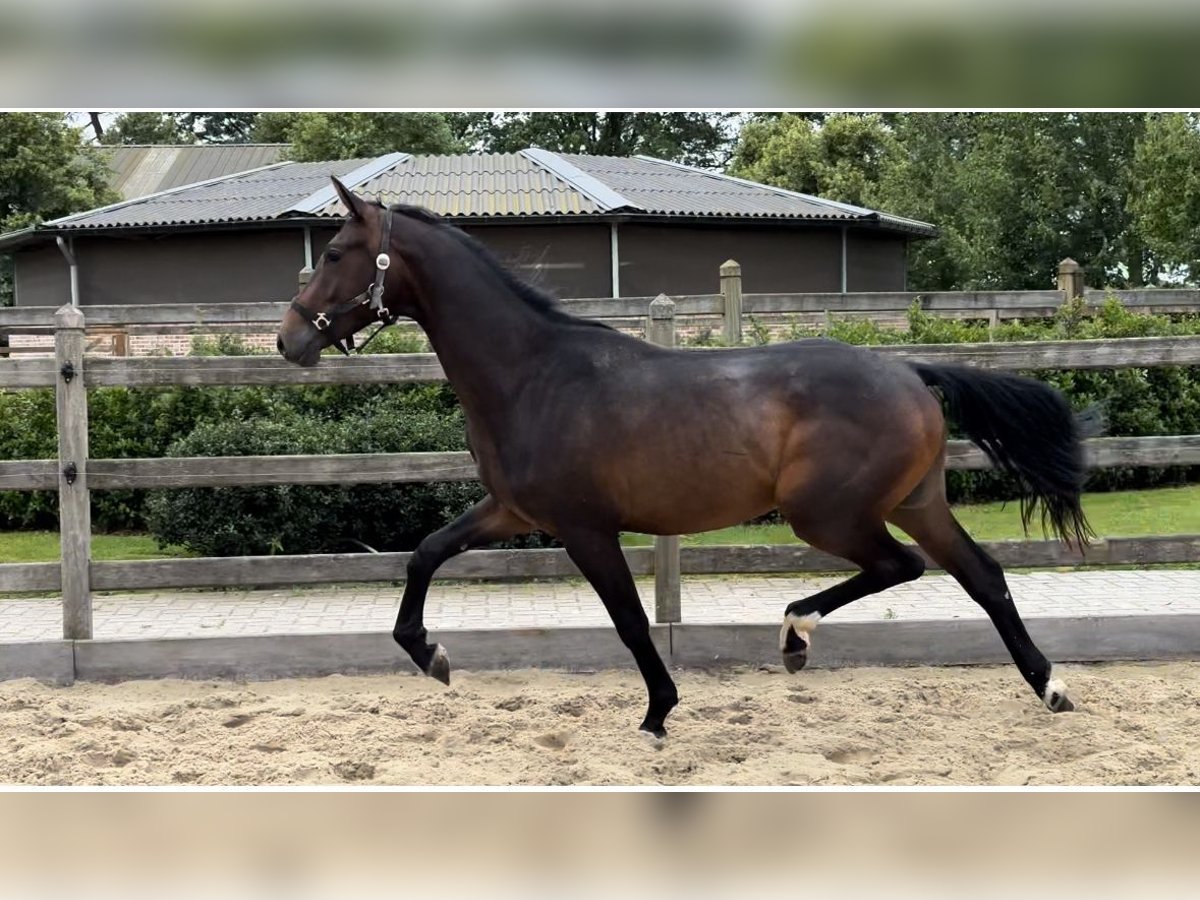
column 484, row 523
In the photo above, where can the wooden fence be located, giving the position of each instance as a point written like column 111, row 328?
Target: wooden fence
column 74, row 474
column 111, row 326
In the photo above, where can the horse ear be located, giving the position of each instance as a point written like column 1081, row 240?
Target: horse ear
column 352, row 203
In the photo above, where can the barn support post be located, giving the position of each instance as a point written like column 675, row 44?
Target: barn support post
column 660, row 330
column 731, row 289
column 74, row 500
column 1070, row 279
column 304, row 277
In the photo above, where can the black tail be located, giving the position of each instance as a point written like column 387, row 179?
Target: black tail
column 1027, row 429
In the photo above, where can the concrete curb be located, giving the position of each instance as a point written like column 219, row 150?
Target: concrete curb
column 292, row 655
column 51, row 661
column 882, row 643
column 944, row 642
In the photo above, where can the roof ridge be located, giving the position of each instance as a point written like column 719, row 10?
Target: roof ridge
column 225, row 144
column 589, row 185
column 157, row 194
column 364, row 173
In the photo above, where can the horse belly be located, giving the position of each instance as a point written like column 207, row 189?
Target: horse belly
column 681, row 498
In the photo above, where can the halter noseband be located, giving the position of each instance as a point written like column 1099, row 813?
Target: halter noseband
column 323, row 321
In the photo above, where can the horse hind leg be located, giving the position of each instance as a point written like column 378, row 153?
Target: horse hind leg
column 885, row 563
column 935, row 529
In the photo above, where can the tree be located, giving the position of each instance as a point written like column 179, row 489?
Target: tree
column 838, row 157
column 699, row 139
column 147, row 128
column 1165, row 201
column 44, row 174
column 318, row 136
column 1011, row 193
column 273, row 127
column 219, row 127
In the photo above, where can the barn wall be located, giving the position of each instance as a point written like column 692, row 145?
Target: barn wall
column 41, row 277
column 214, row 267
column 563, row 260
column 673, row 259
column 875, row 261
column 567, row 260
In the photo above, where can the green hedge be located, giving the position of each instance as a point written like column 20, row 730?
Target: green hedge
column 155, row 422
column 1136, row 402
column 310, row 519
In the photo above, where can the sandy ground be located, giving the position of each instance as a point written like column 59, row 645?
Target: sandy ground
column 1135, row 725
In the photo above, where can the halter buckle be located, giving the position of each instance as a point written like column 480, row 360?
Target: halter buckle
column 382, row 261
column 321, row 321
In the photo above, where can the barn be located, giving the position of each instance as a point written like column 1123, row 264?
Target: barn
column 576, row 225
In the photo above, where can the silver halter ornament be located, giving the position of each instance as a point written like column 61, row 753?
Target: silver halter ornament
column 373, row 295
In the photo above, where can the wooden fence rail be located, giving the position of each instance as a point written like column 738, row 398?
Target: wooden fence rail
column 407, row 468
column 961, row 304
column 333, row 568
column 401, row 368
column 74, row 475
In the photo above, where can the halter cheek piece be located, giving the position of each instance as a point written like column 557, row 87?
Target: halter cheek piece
column 323, row 321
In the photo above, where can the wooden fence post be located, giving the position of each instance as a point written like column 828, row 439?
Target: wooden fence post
column 74, row 501
column 731, row 288
column 305, row 277
column 660, row 330
column 1070, row 279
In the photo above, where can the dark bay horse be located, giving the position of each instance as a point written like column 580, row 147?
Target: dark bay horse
column 570, row 421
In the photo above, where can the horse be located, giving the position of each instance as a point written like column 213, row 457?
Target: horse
column 569, row 422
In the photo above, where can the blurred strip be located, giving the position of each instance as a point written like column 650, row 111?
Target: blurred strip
column 564, row 844
column 477, row 54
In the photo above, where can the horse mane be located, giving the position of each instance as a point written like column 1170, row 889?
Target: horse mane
column 537, row 299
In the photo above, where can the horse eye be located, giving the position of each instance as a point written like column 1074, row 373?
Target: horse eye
column 333, row 255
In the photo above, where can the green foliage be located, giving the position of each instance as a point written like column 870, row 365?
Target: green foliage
column 1012, row 194
column 316, row 136
column 43, row 175
column 185, row 421
column 305, row 519
column 1136, row 402
column 698, row 139
column 219, row 127
column 147, row 128
column 221, row 345
column 1166, row 203
column 840, row 158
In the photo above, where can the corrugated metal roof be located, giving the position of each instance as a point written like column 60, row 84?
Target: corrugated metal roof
column 258, row 195
column 142, row 169
column 487, row 184
column 667, row 188
column 504, row 185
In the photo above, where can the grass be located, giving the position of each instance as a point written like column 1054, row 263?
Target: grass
column 42, row 546
column 1119, row 514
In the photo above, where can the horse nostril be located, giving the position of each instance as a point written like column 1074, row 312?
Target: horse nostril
column 279, row 343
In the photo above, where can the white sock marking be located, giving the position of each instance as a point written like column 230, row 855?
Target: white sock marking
column 1055, row 687
column 803, row 626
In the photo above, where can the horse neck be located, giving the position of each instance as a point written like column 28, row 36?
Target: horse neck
column 488, row 340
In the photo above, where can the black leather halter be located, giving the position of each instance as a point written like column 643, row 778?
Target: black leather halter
column 323, row 321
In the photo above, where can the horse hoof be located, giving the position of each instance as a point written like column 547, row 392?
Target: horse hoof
column 656, row 737
column 1060, row 703
column 439, row 666
column 795, row 660
column 1054, row 695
